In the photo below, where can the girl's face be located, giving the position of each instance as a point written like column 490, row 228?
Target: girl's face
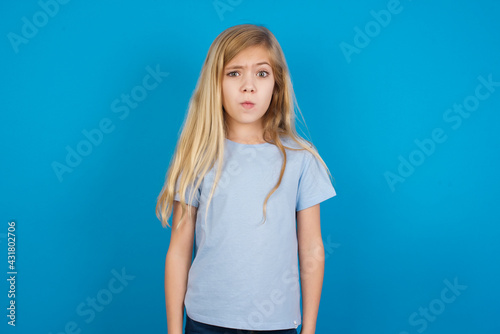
column 248, row 77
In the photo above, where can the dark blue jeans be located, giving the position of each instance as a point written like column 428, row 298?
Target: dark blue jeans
column 195, row 327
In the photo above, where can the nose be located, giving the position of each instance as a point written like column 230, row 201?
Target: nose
column 248, row 85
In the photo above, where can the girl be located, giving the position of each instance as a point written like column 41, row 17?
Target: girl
column 249, row 187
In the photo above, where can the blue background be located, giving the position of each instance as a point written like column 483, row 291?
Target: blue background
column 389, row 249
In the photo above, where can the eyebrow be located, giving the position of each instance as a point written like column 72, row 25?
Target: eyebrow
column 239, row 66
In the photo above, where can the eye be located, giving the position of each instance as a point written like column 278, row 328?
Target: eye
column 230, row 74
column 263, row 72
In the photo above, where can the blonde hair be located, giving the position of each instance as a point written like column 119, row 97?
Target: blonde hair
column 201, row 142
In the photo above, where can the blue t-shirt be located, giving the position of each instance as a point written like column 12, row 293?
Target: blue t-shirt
column 245, row 275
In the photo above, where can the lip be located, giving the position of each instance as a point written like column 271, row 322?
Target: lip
column 248, row 105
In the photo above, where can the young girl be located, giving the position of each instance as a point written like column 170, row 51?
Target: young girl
column 249, row 187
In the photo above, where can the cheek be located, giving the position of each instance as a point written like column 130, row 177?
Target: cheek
column 223, row 93
column 226, row 90
column 269, row 89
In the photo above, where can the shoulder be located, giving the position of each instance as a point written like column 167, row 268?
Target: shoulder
column 288, row 142
column 296, row 150
column 298, row 158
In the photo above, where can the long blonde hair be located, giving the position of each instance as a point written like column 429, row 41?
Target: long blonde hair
column 201, row 142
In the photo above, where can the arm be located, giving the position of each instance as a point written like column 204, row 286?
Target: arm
column 312, row 265
column 177, row 264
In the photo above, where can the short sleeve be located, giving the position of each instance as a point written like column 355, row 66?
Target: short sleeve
column 314, row 184
column 195, row 202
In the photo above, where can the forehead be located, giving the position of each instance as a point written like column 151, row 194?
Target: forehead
column 251, row 56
